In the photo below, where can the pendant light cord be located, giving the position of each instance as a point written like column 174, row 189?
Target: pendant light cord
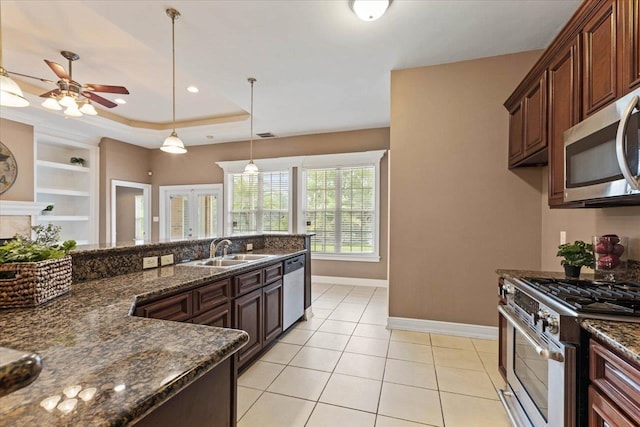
column 173, row 56
column 252, row 80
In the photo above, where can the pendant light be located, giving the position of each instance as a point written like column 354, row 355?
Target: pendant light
column 173, row 144
column 10, row 93
column 251, row 167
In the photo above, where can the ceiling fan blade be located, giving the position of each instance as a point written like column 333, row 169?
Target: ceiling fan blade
column 100, row 100
column 31, row 77
column 58, row 69
column 107, row 88
column 51, row 92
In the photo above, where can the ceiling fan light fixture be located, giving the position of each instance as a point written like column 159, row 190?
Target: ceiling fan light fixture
column 88, row 109
column 51, row 104
column 68, row 101
column 73, row 111
column 173, row 144
column 10, row 93
column 369, row 10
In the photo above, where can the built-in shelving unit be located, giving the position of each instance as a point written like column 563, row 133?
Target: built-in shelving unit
column 72, row 189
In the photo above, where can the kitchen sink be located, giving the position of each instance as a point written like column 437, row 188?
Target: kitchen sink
column 217, row 262
column 248, row 257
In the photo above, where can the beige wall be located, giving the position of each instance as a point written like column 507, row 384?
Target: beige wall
column 582, row 224
column 198, row 166
column 18, row 137
column 119, row 161
column 457, row 213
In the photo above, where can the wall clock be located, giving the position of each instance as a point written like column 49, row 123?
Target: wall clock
column 8, row 168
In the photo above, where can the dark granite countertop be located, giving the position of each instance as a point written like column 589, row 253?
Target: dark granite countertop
column 102, row 366
column 624, row 337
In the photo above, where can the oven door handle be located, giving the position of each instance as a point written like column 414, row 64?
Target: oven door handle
column 621, row 144
column 543, row 352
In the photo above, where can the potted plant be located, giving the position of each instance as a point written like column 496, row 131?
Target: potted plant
column 576, row 255
column 77, row 160
column 33, row 271
column 47, row 210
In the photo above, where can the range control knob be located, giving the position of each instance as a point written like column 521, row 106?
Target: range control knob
column 552, row 324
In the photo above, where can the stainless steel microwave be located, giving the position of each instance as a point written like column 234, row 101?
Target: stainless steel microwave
column 602, row 154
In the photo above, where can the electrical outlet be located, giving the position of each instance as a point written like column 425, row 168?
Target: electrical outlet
column 166, row 259
column 249, row 246
column 563, row 237
column 149, row 262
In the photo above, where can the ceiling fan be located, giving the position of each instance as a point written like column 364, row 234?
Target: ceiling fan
column 74, row 96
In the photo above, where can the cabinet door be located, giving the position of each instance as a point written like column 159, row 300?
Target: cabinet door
column 630, row 54
column 600, row 60
column 247, row 282
column 219, row 316
column 516, row 143
column 247, row 315
column 502, row 346
column 272, row 298
column 564, row 112
column 603, row 413
column 535, row 117
column 177, row 308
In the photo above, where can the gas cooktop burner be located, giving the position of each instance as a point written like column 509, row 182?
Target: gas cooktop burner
column 585, row 296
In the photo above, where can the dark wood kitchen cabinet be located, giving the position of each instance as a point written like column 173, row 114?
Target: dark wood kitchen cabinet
column 564, row 112
column 600, row 43
column 614, row 399
column 528, row 126
column 177, row 307
column 630, row 59
column 272, row 300
column 247, row 315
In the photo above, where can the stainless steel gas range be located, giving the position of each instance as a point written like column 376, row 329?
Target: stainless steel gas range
column 543, row 350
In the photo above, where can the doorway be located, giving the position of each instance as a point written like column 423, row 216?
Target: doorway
column 130, row 211
column 190, row 211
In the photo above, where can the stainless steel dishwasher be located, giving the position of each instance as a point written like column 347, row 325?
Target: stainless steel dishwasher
column 293, row 295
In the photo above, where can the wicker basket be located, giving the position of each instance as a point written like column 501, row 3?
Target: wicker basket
column 33, row 283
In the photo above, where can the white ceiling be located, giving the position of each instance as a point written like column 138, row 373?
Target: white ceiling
column 319, row 68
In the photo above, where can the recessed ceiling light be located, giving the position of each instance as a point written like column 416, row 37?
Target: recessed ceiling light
column 120, row 101
column 193, row 89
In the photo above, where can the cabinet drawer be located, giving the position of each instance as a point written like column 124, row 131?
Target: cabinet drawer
column 210, row 296
column 617, row 378
column 247, row 282
column 273, row 272
column 603, row 413
column 220, row 317
column 177, row 307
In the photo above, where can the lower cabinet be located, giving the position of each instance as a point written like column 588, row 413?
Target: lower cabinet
column 247, row 316
column 219, row 316
column 614, row 397
column 272, row 302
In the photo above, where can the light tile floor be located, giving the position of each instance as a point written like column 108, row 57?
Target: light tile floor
column 343, row 368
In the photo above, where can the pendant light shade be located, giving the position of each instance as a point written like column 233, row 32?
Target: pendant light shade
column 88, row 109
column 173, row 144
column 10, row 93
column 51, row 104
column 251, row 167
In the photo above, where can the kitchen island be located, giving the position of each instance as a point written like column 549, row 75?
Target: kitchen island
column 104, row 366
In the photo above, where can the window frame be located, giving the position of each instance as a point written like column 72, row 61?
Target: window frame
column 336, row 161
column 192, row 189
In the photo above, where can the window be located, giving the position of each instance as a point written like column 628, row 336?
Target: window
column 190, row 211
column 139, row 217
column 259, row 203
column 340, row 208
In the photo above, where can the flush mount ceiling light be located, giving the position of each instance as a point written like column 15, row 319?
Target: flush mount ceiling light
column 10, row 93
column 251, row 167
column 369, row 10
column 173, row 144
column 193, row 89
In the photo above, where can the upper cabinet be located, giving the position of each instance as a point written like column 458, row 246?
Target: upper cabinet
column 592, row 62
column 600, row 60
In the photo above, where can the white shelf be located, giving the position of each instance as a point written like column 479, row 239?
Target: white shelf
column 64, row 166
column 57, row 218
column 62, row 192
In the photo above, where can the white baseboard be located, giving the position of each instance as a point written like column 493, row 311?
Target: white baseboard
column 445, row 328
column 351, row 281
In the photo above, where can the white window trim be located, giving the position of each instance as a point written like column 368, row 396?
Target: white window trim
column 164, row 189
column 367, row 158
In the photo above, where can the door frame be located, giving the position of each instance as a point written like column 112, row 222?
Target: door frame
column 163, row 191
column 146, row 194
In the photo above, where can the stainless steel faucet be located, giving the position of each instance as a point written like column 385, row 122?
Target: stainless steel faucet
column 214, row 247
